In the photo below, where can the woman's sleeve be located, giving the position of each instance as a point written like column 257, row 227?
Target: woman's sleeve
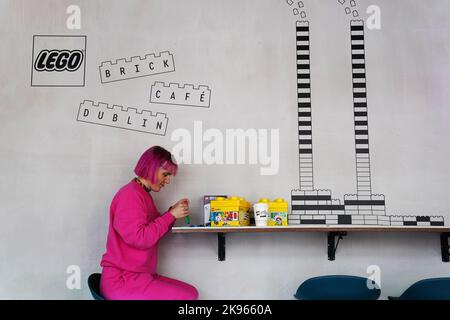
column 130, row 221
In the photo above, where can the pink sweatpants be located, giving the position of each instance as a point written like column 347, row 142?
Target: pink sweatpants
column 119, row 284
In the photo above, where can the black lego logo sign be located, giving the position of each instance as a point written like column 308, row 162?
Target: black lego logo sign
column 58, row 61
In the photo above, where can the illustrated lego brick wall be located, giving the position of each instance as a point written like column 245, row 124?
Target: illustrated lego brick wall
column 339, row 107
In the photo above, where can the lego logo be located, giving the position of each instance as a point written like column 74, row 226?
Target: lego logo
column 58, row 60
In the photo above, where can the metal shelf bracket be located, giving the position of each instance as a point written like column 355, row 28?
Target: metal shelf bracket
column 332, row 244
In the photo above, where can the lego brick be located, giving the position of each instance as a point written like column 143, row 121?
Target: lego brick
column 344, row 219
column 136, row 67
column 423, row 223
column 181, row 95
column 396, row 218
column 436, row 219
column 124, row 118
column 309, row 221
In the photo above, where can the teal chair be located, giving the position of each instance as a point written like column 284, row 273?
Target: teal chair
column 427, row 289
column 94, row 286
column 337, row 287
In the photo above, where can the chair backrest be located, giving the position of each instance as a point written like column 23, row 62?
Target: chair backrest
column 337, row 287
column 428, row 289
column 94, row 286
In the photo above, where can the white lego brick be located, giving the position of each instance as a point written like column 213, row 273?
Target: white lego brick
column 379, row 213
column 184, row 95
column 423, row 223
column 123, row 69
column 122, row 117
column 303, row 24
column 350, row 197
column 296, row 192
column 324, row 192
column 311, row 193
column 396, row 218
column 436, row 219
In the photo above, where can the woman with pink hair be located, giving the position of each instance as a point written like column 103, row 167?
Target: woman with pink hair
column 135, row 228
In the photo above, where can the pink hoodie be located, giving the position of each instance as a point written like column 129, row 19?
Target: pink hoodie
column 135, row 227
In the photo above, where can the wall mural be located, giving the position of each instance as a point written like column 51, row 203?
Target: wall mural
column 182, row 95
column 316, row 206
column 61, row 61
column 136, row 67
column 118, row 117
column 298, row 11
column 58, row 61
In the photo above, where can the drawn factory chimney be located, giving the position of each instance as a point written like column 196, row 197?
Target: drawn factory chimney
column 314, row 206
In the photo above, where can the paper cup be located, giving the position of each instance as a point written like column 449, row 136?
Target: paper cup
column 261, row 211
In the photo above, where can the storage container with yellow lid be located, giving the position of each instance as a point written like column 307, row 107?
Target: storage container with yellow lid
column 278, row 211
column 230, row 212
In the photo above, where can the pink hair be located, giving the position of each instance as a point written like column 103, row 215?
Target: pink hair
column 151, row 160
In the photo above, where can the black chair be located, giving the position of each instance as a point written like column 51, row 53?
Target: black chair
column 94, row 286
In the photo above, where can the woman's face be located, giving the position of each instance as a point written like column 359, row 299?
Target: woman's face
column 163, row 177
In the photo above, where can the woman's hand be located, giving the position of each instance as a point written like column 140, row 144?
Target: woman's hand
column 180, row 209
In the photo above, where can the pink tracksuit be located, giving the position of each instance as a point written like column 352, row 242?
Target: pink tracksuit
column 129, row 264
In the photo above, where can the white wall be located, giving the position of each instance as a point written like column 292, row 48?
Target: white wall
column 59, row 175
